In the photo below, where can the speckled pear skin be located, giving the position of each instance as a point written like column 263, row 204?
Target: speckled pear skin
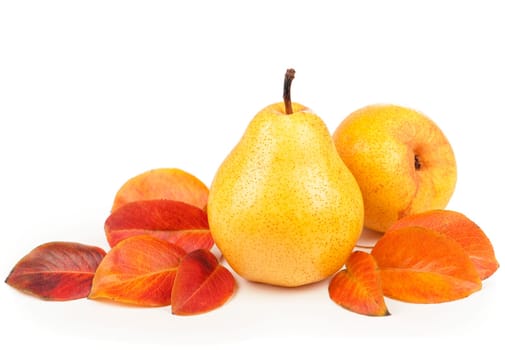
column 283, row 208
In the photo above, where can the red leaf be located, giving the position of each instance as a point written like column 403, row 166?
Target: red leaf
column 423, row 266
column 201, row 284
column 358, row 287
column 57, row 270
column 190, row 240
column 464, row 231
column 165, row 219
column 139, row 270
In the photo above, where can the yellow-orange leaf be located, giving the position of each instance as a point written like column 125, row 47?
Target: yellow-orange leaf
column 139, row 270
column 463, row 230
column 358, row 287
column 163, row 183
column 420, row 265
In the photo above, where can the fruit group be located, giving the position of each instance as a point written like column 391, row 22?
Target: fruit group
column 403, row 162
column 283, row 208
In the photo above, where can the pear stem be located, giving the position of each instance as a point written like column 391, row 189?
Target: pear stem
column 288, row 78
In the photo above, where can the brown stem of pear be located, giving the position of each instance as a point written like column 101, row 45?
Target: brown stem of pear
column 288, row 78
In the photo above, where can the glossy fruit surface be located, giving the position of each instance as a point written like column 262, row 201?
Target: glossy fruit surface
column 283, row 208
column 402, row 160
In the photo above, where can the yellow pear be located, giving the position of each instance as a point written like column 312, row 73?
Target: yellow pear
column 283, row 208
column 402, row 160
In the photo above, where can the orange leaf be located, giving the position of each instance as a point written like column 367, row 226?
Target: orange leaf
column 190, row 240
column 358, row 287
column 57, row 270
column 201, row 284
column 174, row 221
column 464, row 231
column 163, row 183
column 139, row 270
column 423, row 266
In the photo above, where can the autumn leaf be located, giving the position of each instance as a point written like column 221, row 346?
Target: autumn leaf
column 173, row 221
column 463, row 230
column 201, row 284
column 190, row 240
column 57, row 271
column 420, row 265
column 139, row 270
column 163, row 183
column 358, row 287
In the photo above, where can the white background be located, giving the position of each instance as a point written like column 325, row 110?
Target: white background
column 95, row 92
